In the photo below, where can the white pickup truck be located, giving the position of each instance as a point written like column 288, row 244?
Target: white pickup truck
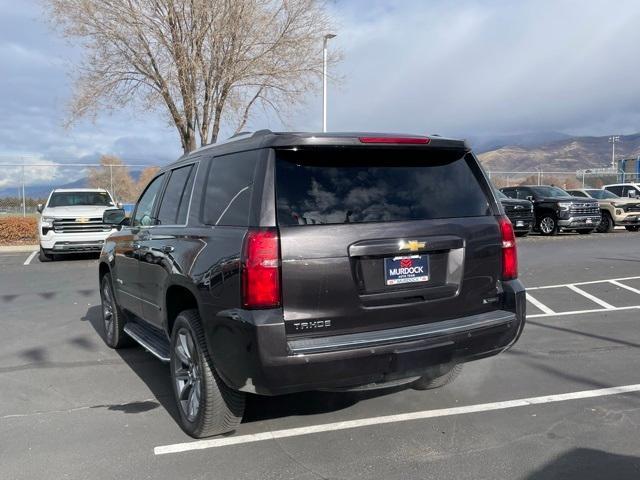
column 71, row 221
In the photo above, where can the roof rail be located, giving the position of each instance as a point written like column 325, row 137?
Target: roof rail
column 236, row 137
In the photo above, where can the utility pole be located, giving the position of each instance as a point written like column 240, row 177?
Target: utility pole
column 613, row 140
column 327, row 37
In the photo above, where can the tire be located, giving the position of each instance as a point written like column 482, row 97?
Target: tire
column 606, row 224
column 632, row 228
column 438, row 379
column 113, row 319
column 548, row 224
column 585, row 232
column 44, row 257
column 522, row 234
column 210, row 407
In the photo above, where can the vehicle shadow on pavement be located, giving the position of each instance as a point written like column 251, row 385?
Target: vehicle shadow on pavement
column 307, row 403
column 155, row 375
column 151, row 371
column 589, row 464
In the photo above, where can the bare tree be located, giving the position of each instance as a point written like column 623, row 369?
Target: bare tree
column 112, row 175
column 203, row 61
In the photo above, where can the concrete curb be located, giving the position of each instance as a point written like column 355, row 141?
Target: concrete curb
column 18, row 248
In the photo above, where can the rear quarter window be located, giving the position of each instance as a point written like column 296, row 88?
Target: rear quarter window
column 228, row 188
column 331, row 186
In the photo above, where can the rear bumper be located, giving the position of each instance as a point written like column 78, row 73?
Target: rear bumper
column 251, row 354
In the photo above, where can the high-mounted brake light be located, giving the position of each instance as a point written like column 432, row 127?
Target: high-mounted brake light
column 509, row 252
column 261, row 269
column 402, row 140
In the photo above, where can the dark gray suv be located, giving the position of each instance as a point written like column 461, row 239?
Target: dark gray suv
column 286, row 262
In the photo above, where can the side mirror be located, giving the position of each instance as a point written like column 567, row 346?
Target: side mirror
column 114, row 216
column 119, row 205
column 40, row 208
column 633, row 193
column 530, row 198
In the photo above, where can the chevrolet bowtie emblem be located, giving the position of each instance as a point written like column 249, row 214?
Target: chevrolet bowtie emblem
column 411, row 245
column 82, row 220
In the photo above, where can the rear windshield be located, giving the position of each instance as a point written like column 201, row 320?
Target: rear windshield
column 333, row 186
column 70, row 199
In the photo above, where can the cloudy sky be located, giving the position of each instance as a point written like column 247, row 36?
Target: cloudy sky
column 460, row 68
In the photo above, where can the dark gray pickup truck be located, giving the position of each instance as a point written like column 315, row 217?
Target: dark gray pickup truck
column 555, row 209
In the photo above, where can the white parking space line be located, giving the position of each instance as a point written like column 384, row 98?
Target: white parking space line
column 403, row 417
column 593, row 298
column 622, row 285
column 30, row 257
column 591, row 282
column 539, row 305
column 579, row 312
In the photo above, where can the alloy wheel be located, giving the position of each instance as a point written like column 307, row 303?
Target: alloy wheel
column 547, row 225
column 187, row 374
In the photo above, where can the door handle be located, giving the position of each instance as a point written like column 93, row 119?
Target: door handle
column 136, row 246
column 168, row 249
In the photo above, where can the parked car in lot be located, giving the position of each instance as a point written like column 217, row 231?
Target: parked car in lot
column 555, row 210
column 613, row 209
column 71, row 221
column 520, row 212
column 288, row 262
column 624, row 190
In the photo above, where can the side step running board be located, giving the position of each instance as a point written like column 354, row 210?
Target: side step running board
column 150, row 338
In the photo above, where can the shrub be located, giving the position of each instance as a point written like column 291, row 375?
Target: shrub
column 18, row 230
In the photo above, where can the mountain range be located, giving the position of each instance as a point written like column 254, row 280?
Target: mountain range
column 565, row 153
column 548, row 151
column 42, row 190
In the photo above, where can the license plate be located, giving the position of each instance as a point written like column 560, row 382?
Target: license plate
column 519, row 223
column 589, row 221
column 406, row 269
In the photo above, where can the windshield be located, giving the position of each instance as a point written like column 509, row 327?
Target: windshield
column 601, row 194
column 500, row 195
column 550, row 192
column 72, row 199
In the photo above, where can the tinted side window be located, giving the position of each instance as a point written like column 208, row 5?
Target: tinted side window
column 616, row 190
column 143, row 216
column 227, row 196
column 577, row 194
column 175, row 201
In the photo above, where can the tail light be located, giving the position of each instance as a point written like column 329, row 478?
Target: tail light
column 509, row 253
column 261, row 269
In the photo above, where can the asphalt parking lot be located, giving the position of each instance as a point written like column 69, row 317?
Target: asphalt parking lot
column 72, row 408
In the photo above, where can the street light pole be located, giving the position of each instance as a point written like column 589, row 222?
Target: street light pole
column 327, row 37
column 24, row 198
column 612, row 140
